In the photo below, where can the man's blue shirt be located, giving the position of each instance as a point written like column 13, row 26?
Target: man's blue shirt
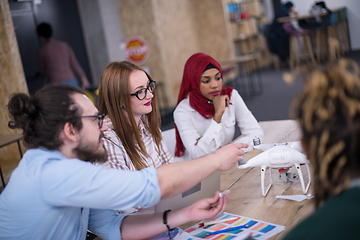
column 52, row 197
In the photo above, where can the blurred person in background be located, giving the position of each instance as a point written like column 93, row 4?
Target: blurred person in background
column 57, row 60
column 276, row 36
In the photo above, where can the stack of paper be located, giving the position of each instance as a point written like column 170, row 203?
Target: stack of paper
column 255, row 229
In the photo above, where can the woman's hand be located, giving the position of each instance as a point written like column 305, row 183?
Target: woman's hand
column 220, row 103
column 206, row 209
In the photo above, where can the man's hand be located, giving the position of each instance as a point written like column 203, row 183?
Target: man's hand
column 206, row 209
column 152, row 224
column 228, row 156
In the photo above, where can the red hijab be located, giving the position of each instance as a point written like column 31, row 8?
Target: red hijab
column 190, row 86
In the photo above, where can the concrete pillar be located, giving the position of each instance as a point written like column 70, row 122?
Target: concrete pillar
column 94, row 37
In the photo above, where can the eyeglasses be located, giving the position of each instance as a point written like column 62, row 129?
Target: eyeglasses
column 141, row 94
column 99, row 117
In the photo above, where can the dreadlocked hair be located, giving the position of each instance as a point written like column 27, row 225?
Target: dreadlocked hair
column 328, row 111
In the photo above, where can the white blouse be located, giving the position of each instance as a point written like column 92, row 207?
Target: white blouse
column 202, row 136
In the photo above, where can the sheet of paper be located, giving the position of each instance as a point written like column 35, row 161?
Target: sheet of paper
column 258, row 229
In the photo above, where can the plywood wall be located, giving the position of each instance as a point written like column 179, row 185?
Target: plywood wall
column 175, row 30
column 177, row 39
column 12, row 80
column 137, row 17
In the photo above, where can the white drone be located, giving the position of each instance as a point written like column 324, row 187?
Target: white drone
column 280, row 156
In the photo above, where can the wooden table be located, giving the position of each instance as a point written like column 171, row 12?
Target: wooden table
column 246, row 197
column 6, row 140
column 306, row 16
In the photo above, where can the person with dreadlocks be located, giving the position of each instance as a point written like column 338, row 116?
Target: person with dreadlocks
column 328, row 111
column 207, row 111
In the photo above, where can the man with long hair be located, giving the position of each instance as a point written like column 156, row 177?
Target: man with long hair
column 57, row 193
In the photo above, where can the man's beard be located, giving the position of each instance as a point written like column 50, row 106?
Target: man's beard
column 87, row 153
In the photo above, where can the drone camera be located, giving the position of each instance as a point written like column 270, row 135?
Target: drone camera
column 285, row 176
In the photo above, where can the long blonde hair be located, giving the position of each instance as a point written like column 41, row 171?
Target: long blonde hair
column 114, row 93
column 328, row 111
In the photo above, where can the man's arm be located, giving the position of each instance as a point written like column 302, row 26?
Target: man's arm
column 152, row 224
column 178, row 177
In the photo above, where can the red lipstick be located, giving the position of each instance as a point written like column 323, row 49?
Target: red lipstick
column 215, row 93
column 148, row 103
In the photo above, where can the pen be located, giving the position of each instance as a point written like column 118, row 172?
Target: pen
column 210, row 102
column 228, row 229
column 226, row 192
column 217, row 221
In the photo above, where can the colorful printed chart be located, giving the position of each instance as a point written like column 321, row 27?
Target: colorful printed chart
column 256, row 228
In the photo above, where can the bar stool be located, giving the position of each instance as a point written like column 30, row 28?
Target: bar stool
column 320, row 43
column 295, row 47
column 334, row 49
column 343, row 31
column 294, row 44
column 327, row 39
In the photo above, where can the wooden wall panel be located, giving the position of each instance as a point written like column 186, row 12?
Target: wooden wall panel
column 175, row 30
column 211, row 31
column 178, row 41
column 137, row 17
column 12, row 79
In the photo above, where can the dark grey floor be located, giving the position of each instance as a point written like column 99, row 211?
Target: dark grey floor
column 274, row 101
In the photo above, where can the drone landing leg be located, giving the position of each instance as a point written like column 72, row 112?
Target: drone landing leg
column 263, row 170
column 302, row 178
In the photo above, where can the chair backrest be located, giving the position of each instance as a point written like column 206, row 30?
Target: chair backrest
column 170, row 140
column 343, row 15
column 334, row 18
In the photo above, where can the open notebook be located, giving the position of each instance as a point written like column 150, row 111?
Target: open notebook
column 204, row 189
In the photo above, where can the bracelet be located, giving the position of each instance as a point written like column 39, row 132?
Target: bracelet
column 165, row 222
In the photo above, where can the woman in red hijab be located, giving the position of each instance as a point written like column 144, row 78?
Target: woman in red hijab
column 207, row 111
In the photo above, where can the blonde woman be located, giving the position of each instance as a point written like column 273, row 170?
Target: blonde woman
column 127, row 98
